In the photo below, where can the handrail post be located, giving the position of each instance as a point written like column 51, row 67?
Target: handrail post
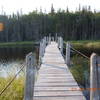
column 94, row 78
column 61, row 45
column 68, row 53
column 58, row 40
column 52, row 38
column 56, row 37
column 42, row 48
column 30, row 77
column 49, row 39
column 40, row 53
column 44, row 42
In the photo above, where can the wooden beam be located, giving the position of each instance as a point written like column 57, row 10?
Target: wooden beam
column 30, row 77
column 94, row 77
column 68, row 53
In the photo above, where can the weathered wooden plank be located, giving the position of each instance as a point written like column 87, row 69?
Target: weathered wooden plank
column 53, row 80
column 58, row 88
column 74, row 97
column 57, row 84
column 57, row 93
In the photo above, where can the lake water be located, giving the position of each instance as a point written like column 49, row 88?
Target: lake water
column 11, row 59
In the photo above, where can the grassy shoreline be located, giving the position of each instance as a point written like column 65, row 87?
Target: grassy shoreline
column 87, row 47
column 17, row 44
column 89, row 44
column 86, row 44
column 80, row 42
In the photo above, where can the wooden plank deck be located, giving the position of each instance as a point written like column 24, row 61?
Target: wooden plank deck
column 55, row 81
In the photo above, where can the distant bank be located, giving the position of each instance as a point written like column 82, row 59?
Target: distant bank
column 18, row 44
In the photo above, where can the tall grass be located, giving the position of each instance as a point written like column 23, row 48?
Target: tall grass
column 80, row 69
column 15, row 91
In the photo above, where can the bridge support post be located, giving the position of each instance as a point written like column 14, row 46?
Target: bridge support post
column 56, row 37
column 47, row 40
column 30, row 77
column 44, row 42
column 52, row 38
column 42, row 47
column 94, row 77
column 40, row 53
column 58, row 40
column 68, row 53
column 60, row 44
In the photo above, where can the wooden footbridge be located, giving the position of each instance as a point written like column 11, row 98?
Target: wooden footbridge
column 55, row 81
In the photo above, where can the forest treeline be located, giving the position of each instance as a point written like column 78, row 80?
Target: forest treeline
column 82, row 24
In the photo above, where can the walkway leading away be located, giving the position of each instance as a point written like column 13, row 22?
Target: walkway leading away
column 55, row 81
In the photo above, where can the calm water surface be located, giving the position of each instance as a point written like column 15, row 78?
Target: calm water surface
column 11, row 59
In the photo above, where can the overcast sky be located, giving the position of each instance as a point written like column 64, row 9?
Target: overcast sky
column 10, row 6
